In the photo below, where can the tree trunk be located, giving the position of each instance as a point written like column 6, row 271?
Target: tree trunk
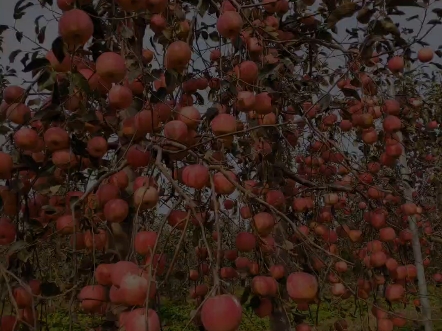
column 417, row 251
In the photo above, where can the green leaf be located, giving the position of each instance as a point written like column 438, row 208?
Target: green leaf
column 324, row 35
column 343, row 11
column 47, row 113
column 439, row 66
column 19, row 36
column 13, row 55
column 203, row 6
column 325, row 101
column 41, row 35
column 19, row 12
column 199, row 99
column 3, row 28
column 349, row 92
column 36, row 64
column 25, row 59
column 438, row 11
column 16, row 247
column 126, row 32
column 49, row 289
column 204, row 34
column 4, row 130
column 158, row 96
column 171, row 77
column 214, row 36
column 412, row 18
column 434, row 22
column 80, row 81
column 403, row 3
column 57, row 48
column 245, row 295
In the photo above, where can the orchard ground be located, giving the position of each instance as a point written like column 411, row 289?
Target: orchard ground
column 175, row 316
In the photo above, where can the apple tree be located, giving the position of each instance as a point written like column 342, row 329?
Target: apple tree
column 232, row 152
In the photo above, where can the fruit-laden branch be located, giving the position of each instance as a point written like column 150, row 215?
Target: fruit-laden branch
column 275, row 211
column 301, row 180
column 332, row 187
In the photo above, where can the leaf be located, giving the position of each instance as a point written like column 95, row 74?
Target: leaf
column 204, row 34
column 34, row 102
column 13, row 55
column 364, row 15
column 46, row 80
column 199, row 99
column 212, row 95
column 324, row 102
column 47, row 113
column 245, row 295
column 95, row 17
column 434, row 22
column 57, row 48
column 214, row 36
column 288, row 245
column 343, row 11
column 25, row 59
column 36, row 64
column 203, row 6
column 41, row 35
column 366, row 49
column 3, row 28
column 19, row 12
column 349, row 92
column 37, row 19
column 171, row 78
column 412, row 18
column 324, row 35
column 81, row 82
column 390, row 27
column 126, row 32
column 19, row 36
column 439, row 66
column 438, row 11
column 4, row 130
column 158, row 96
column 49, row 289
column 402, row 3
column 16, row 247
column 179, row 13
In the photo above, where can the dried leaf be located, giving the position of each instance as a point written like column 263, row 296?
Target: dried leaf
column 364, row 15
column 343, row 11
column 13, row 55
column 287, row 245
column 390, row 27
